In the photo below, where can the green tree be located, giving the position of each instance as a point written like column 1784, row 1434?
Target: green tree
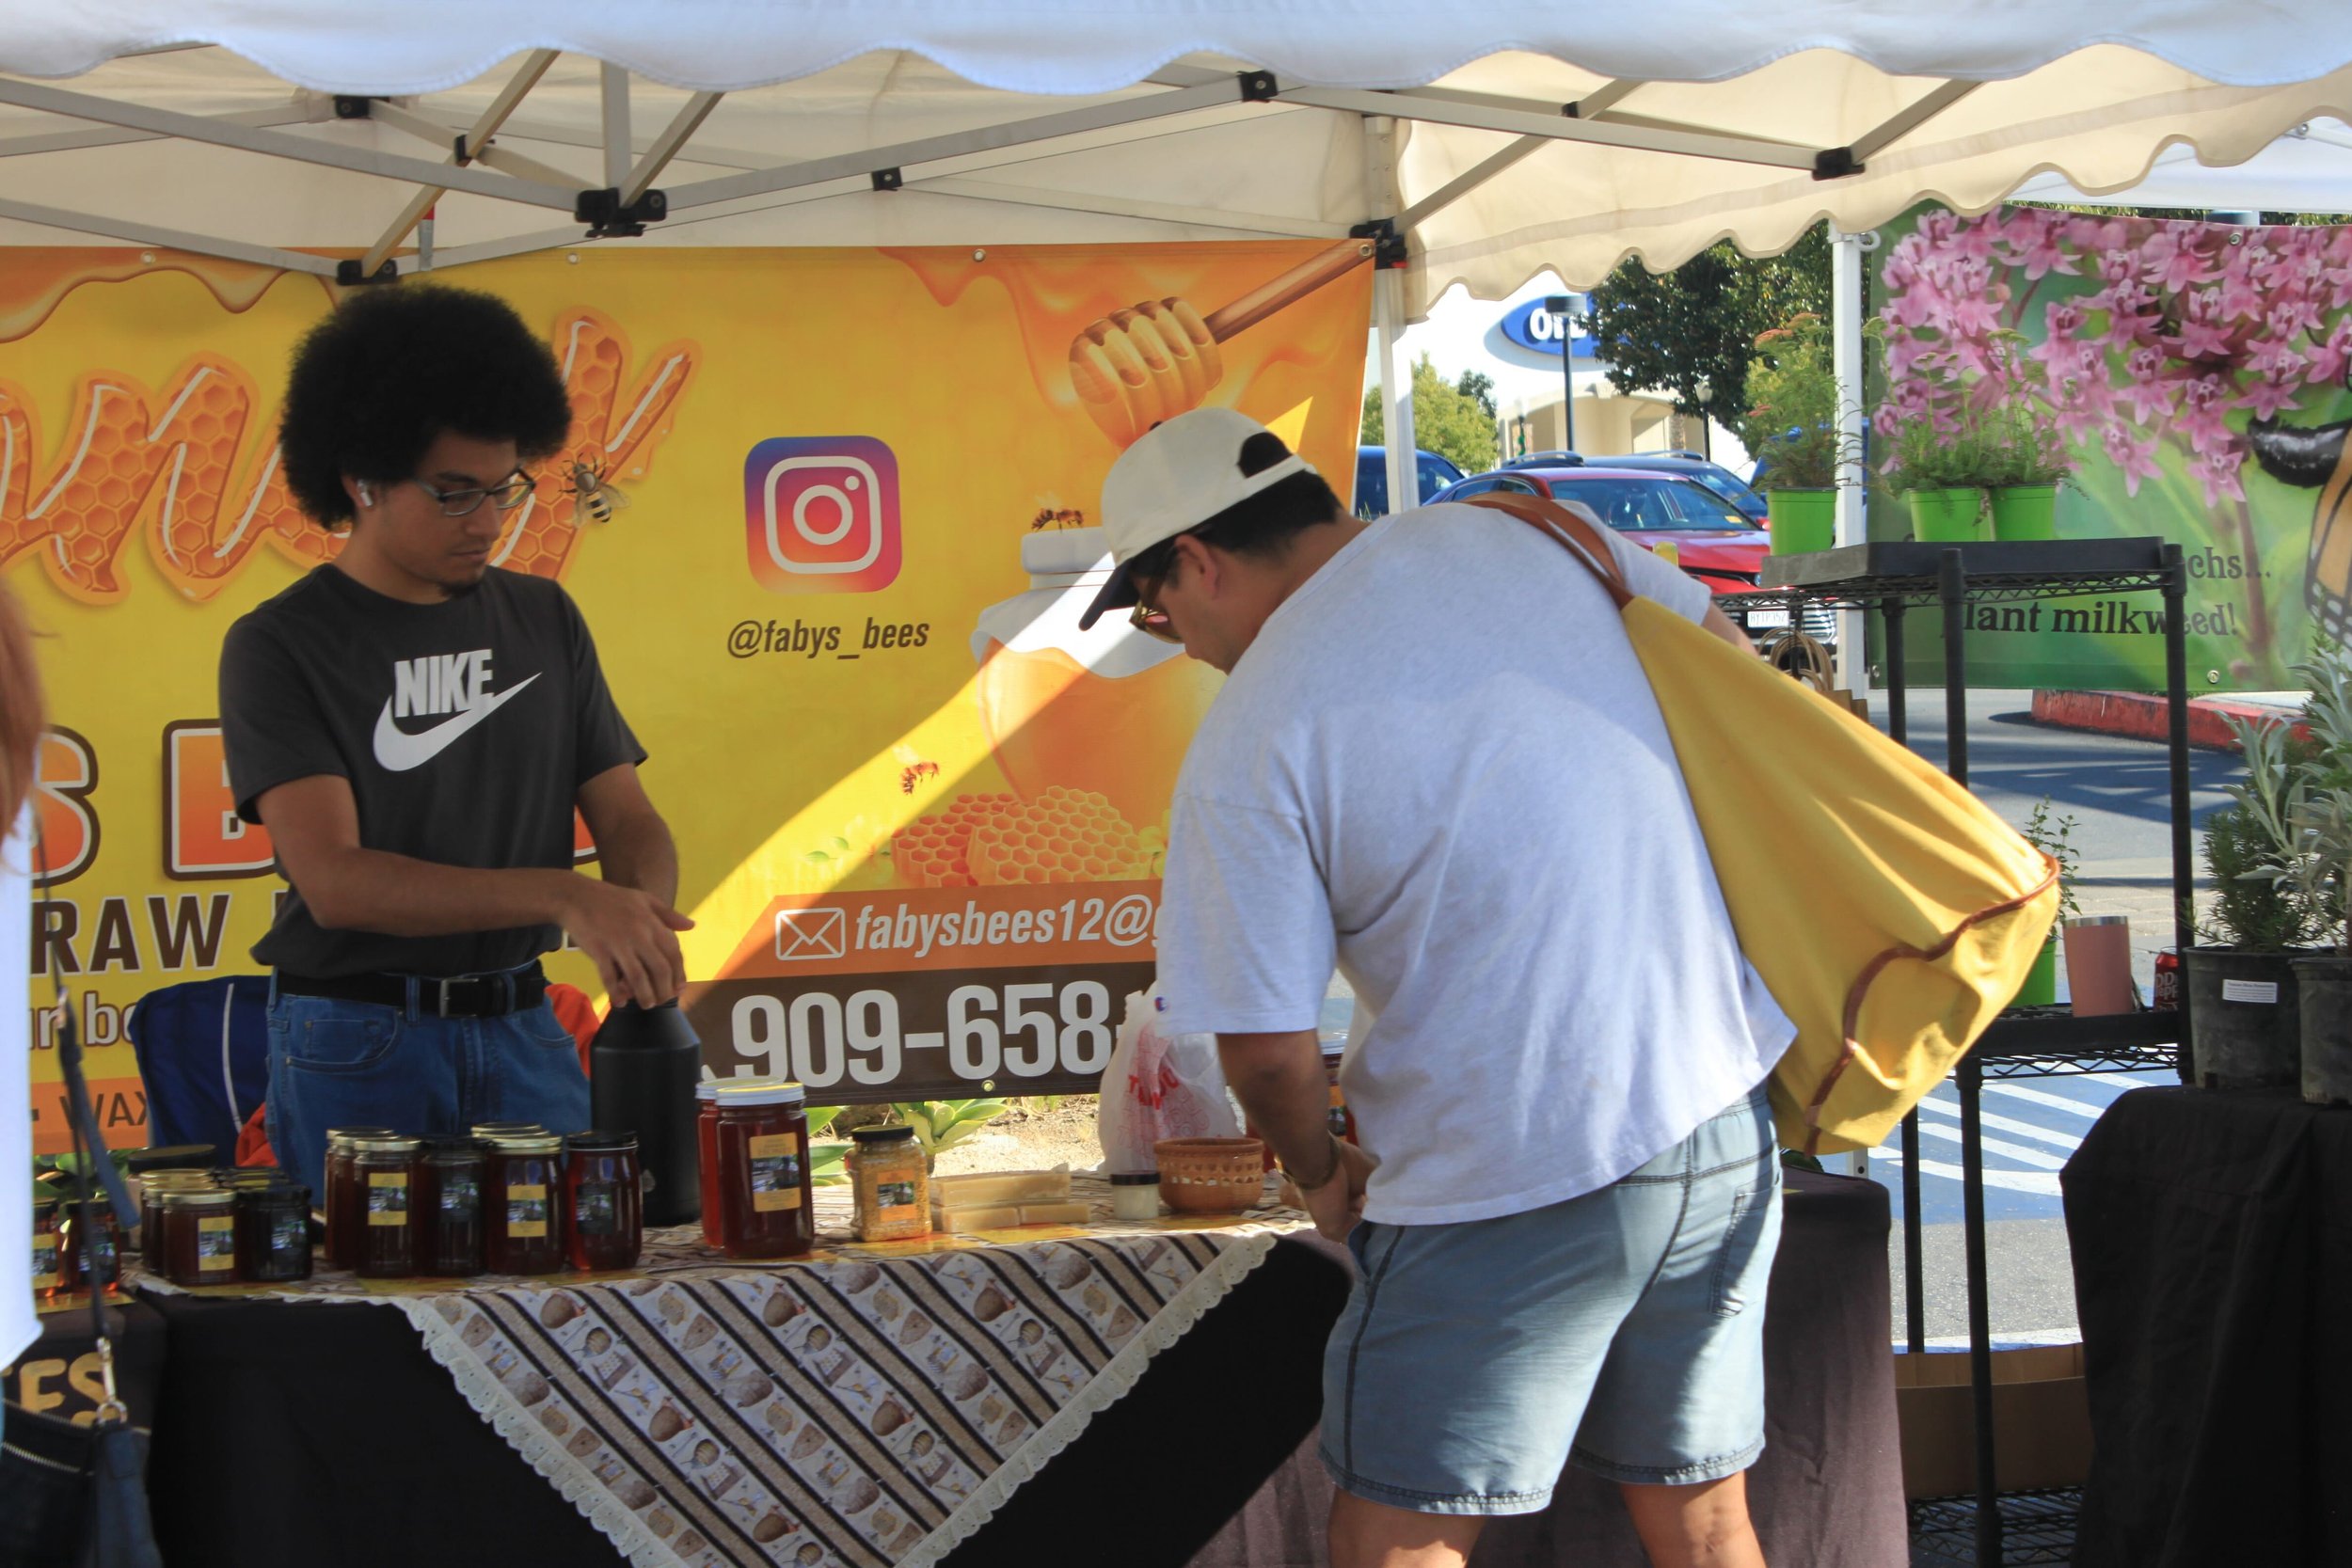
column 1695, row 327
column 1480, row 389
column 1447, row 420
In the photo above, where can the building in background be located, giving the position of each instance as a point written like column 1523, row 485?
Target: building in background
column 1516, row 344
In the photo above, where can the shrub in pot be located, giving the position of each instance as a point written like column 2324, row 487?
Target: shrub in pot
column 2319, row 871
column 2050, row 836
column 1793, row 428
column 2244, row 1012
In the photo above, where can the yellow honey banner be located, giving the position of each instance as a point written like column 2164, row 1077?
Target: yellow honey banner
column 839, row 608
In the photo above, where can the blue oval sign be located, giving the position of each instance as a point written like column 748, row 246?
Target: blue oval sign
column 1533, row 327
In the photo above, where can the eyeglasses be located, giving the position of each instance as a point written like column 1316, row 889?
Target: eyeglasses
column 506, row 495
column 1149, row 619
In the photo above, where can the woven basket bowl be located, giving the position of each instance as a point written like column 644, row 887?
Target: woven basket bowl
column 1211, row 1175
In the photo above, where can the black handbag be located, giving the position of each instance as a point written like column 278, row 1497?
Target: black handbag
column 78, row 1494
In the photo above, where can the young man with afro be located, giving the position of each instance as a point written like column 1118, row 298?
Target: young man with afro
column 414, row 726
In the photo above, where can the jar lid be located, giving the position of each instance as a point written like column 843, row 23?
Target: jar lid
column 527, row 1143
column 138, row 1162
column 773, row 1091
column 707, row 1089
column 503, row 1129
column 387, row 1145
column 1134, row 1179
column 334, row 1133
column 199, row 1197
column 274, row 1192
column 444, row 1145
column 160, row 1180
column 883, row 1135
column 601, row 1141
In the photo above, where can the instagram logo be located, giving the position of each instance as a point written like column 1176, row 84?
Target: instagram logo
column 821, row 513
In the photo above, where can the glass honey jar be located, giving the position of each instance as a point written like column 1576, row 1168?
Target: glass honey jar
column 199, row 1235
column 891, row 1183
column 385, row 1172
column 604, row 1215
column 454, row 1223
column 765, row 1205
column 522, row 1198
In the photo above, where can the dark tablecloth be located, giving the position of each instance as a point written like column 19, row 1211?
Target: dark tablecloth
column 2211, row 1234
column 304, row 1433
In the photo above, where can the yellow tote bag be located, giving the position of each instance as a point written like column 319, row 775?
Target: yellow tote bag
column 1889, row 913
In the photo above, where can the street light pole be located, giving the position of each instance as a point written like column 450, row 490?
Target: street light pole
column 1558, row 304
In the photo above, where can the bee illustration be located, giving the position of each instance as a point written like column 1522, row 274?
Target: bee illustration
column 1052, row 514
column 597, row 497
column 912, row 768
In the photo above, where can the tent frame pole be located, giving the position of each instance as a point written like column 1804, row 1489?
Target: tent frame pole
column 173, row 239
column 526, row 76
column 1399, row 442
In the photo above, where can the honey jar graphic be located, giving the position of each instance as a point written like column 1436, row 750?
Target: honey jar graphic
column 1107, row 709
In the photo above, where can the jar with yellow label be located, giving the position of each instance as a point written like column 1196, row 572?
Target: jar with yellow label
column 523, row 1202
column 45, row 1281
column 765, row 1204
column 384, row 1174
column 891, row 1185
column 199, row 1236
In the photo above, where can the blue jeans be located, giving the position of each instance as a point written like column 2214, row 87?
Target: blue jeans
column 1622, row 1330
column 360, row 1064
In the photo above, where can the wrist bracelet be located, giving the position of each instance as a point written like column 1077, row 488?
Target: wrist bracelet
column 1328, row 1175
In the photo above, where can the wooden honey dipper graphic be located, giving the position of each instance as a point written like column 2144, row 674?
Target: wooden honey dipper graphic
column 1159, row 358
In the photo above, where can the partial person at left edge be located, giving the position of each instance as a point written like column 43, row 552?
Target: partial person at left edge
column 414, row 725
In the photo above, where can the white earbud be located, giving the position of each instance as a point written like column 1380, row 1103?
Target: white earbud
column 367, row 494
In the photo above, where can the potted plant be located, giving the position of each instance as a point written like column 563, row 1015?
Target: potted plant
column 1792, row 430
column 2050, row 836
column 2319, row 874
column 1938, row 462
column 2268, row 907
column 2029, row 464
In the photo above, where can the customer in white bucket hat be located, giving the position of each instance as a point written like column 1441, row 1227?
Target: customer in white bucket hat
column 1436, row 763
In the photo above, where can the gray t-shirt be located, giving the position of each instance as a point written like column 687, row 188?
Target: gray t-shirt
column 1441, row 767
column 465, row 729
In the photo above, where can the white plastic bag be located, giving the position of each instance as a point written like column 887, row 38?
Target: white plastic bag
column 1159, row 1085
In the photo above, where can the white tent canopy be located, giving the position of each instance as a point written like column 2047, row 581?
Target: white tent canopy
column 1529, row 135
column 2307, row 171
column 1491, row 142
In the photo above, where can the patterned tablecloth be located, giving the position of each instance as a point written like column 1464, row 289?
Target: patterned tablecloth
column 869, row 1405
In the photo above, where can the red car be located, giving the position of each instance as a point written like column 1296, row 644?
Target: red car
column 1712, row 540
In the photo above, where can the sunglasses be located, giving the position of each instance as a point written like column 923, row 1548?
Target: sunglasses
column 1149, row 619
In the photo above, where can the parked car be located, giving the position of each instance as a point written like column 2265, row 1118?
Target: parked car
column 1714, row 475
column 1372, row 479
column 1713, row 539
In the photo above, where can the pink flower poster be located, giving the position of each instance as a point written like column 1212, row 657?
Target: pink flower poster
column 2193, row 375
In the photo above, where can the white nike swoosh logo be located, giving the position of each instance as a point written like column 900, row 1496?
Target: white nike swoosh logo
column 398, row 750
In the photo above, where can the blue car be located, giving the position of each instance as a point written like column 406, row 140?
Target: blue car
column 1372, row 479
column 1714, row 476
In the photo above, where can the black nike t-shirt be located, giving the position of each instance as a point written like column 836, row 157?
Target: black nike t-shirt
column 466, row 729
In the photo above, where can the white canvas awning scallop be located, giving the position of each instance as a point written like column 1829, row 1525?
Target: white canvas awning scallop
column 1526, row 134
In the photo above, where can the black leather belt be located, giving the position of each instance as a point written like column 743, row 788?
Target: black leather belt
column 456, row 996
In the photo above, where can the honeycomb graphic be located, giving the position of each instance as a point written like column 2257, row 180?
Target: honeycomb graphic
column 127, row 456
column 932, row 851
column 1064, row 835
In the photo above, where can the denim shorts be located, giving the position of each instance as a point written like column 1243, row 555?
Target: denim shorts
column 1622, row 1330
column 362, row 1064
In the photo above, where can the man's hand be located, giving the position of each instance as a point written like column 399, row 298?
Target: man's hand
column 631, row 936
column 1339, row 1203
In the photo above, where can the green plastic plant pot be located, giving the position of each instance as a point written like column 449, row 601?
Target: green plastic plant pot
column 2025, row 512
column 1947, row 516
column 1802, row 520
column 2041, row 987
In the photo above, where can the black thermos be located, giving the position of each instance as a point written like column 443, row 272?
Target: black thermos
column 644, row 1065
